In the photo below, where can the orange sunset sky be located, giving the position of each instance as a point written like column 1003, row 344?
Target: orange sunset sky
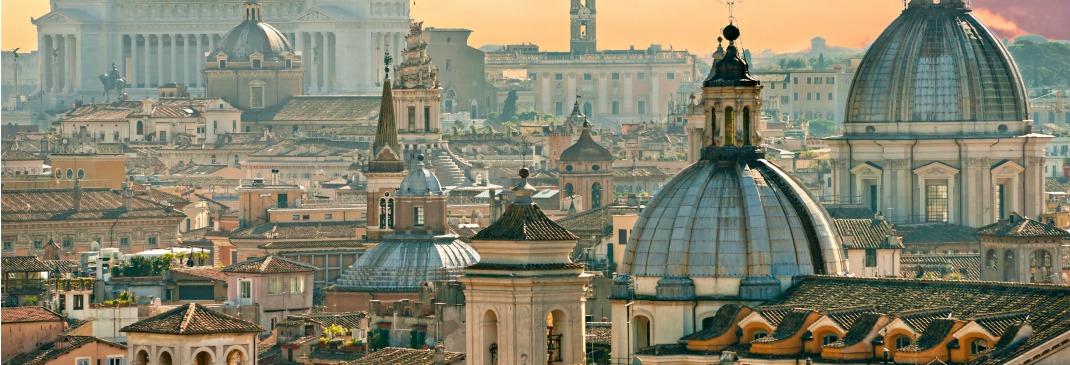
column 780, row 25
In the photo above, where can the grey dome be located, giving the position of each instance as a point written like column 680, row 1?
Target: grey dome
column 936, row 62
column 586, row 149
column 420, row 181
column 252, row 36
column 400, row 264
column 733, row 219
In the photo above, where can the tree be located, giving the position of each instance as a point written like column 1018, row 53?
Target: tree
column 1042, row 63
column 509, row 107
column 822, row 128
column 820, row 63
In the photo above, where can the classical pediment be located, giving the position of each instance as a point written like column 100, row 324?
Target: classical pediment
column 1007, row 167
column 867, row 168
column 314, row 14
column 936, row 169
column 54, row 17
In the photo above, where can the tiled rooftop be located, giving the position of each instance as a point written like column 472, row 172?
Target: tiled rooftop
column 28, row 314
column 269, row 265
column 46, row 355
column 866, row 233
column 192, row 319
column 96, row 203
column 299, row 231
column 1018, row 226
column 524, row 223
column 403, row 356
column 23, row 264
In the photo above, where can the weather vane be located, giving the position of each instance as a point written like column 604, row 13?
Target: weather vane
column 731, row 5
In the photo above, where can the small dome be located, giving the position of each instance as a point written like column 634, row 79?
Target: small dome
column 252, row 36
column 733, row 219
column 420, row 181
column 586, row 149
column 936, row 62
column 402, row 264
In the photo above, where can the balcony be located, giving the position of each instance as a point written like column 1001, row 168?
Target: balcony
column 24, row 286
column 76, row 284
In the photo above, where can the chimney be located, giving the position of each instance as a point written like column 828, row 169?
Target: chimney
column 440, row 354
column 76, row 195
column 147, row 106
column 127, row 195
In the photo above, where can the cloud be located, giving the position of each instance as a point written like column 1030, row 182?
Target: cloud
column 1045, row 17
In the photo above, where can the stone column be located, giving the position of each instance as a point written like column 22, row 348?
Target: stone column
column 655, row 100
column 317, row 50
column 602, row 100
column 185, row 59
column 131, row 76
column 627, row 102
column 72, row 62
column 174, row 59
column 61, row 63
column 159, row 60
column 45, row 42
column 327, row 55
column 147, row 79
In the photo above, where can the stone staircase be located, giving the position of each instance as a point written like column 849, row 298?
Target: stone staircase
column 449, row 174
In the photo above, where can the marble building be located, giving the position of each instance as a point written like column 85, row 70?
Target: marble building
column 160, row 42
column 939, row 139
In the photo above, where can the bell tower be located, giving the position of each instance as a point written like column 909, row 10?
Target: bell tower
column 583, row 26
column 386, row 167
column 731, row 100
column 525, row 298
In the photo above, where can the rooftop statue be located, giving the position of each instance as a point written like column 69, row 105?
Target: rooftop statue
column 112, row 80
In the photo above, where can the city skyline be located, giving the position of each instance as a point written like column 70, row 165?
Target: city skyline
column 796, row 22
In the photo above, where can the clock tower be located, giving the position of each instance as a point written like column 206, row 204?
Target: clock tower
column 583, row 26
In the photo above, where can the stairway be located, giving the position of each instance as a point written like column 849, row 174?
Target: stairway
column 449, row 174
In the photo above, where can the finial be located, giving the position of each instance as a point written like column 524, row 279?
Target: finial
column 731, row 33
column 387, row 60
column 524, row 173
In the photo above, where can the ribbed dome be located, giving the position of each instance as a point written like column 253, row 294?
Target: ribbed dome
column 401, row 264
column 420, row 181
column 252, row 36
column 936, row 62
column 733, row 219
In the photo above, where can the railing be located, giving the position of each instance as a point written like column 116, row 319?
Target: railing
column 78, row 284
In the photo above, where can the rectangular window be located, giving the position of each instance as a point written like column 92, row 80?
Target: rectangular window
column 587, row 76
column 289, row 63
column 830, row 80
column 622, row 236
column 222, row 64
column 817, row 80
column 796, row 96
column 818, row 96
column 153, row 241
column 1000, row 205
column 559, row 108
column 305, row 217
column 297, row 217
column 640, row 76
column 245, row 287
column 871, row 257
column 616, row 108
column 256, row 100
column 533, row 77
column 274, row 286
column 615, row 76
column 38, row 244
column 936, row 202
column 784, row 99
column 670, row 76
column 773, row 86
column 796, row 80
column 830, row 96
column 328, row 216
column 641, row 106
column 8, row 246
column 297, row 285
column 82, row 361
column 412, row 118
column 559, row 77
column 79, row 302
column 809, row 96
column 257, row 63
column 418, row 216
column 124, row 241
column 68, row 242
column 427, row 119
column 116, row 361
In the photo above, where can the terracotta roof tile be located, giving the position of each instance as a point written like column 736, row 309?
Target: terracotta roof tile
column 967, row 264
column 927, row 233
column 28, row 314
column 299, row 231
column 19, row 155
column 191, row 319
column 866, row 233
column 524, row 222
column 319, row 108
column 599, row 333
column 269, row 265
column 1019, row 226
column 207, row 272
column 723, row 320
column 96, row 203
column 23, row 264
column 859, row 329
column 849, row 211
column 403, row 356
column 44, row 356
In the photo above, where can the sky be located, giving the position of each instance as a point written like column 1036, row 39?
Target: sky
column 779, row 25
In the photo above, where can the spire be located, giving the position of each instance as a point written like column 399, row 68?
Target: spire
column 385, row 150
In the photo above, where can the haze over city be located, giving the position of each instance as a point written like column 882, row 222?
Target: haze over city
column 779, row 25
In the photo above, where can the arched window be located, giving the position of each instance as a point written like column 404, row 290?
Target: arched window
column 382, row 213
column 490, row 338
column 746, row 126
column 569, row 190
column 1041, row 267
column 139, row 128
column 641, row 330
column 390, row 213
column 829, row 338
column 202, row 358
column 165, row 359
column 729, row 127
column 1010, row 267
column 713, row 123
column 991, row 260
column 235, row 357
column 596, row 195
column 903, row 341
column 554, row 338
column 707, row 322
column 587, row 109
column 978, row 346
